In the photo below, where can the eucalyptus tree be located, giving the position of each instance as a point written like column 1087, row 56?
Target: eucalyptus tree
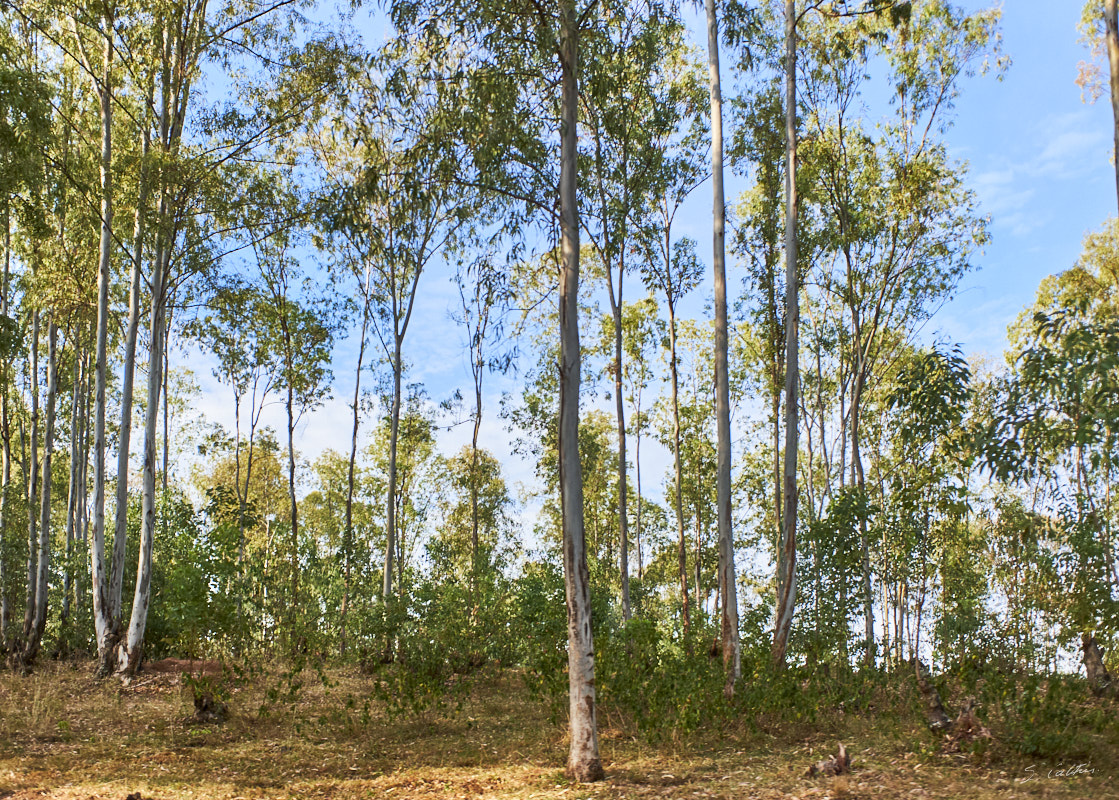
column 683, row 425
column 630, row 99
column 25, row 128
column 397, row 204
column 233, row 327
column 484, row 294
column 903, row 222
column 511, row 55
column 471, row 542
column 925, row 509
column 678, row 274
column 641, row 337
column 101, row 77
column 414, row 471
column 760, row 142
column 786, row 548
column 732, row 657
column 186, row 184
column 672, row 163
column 298, row 318
column 1060, row 434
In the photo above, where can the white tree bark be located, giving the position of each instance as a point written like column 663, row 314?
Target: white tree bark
column 42, row 557
column 104, row 624
column 132, row 649
column 32, row 485
column 732, row 659
column 786, row 550
column 120, row 530
column 583, row 761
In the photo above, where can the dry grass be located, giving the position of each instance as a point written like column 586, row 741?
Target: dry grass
column 65, row 735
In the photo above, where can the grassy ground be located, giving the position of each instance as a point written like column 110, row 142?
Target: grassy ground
column 65, row 735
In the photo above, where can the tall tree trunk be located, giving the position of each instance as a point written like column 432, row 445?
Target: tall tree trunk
column 180, row 40
column 5, row 441
column 106, row 626
column 1111, row 26
column 619, row 404
column 732, row 657
column 637, row 477
column 131, row 650
column 73, row 490
column 583, row 761
column 859, row 479
column 32, row 484
column 39, row 620
column 678, row 475
column 348, row 534
column 293, row 602
column 81, row 521
column 120, row 530
column 165, row 471
column 786, row 558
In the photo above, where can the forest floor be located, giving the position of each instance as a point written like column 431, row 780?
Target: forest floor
column 64, row 734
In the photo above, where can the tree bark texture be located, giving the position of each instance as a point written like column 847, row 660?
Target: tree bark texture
column 39, row 619
column 732, row 660
column 105, row 625
column 583, row 761
column 786, row 555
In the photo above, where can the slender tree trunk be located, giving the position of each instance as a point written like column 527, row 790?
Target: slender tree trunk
column 120, row 530
column 732, row 658
column 293, row 602
column 681, row 552
column 81, row 522
column 73, row 490
column 786, row 559
column 166, row 418
column 859, row 479
column 240, row 502
column 32, row 485
column 5, row 443
column 583, row 762
column 105, row 622
column 42, row 586
column 390, row 503
column 474, row 487
column 637, row 475
column 132, row 650
column 619, row 404
column 1111, row 26
column 348, row 535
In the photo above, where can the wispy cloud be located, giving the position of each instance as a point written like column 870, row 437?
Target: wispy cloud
column 1056, row 151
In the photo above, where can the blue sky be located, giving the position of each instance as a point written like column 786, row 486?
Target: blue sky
column 1040, row 162
column 1038, row 159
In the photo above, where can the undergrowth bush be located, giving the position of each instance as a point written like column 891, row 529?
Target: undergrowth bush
column 1051, row 717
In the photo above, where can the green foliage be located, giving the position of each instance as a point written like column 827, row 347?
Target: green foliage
column 1048, row 717
column 668, row 685
column 540, row 630
column 193, row 609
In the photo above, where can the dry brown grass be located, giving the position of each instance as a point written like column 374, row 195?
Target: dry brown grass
column 65, row 735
